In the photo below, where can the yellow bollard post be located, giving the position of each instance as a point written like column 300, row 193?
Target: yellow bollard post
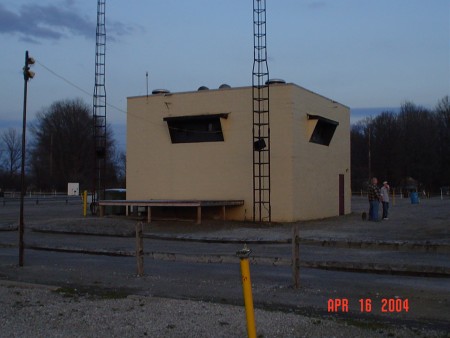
column 247, row 289
column 85, row 203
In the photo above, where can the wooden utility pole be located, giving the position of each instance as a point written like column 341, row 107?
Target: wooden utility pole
column 139, row 249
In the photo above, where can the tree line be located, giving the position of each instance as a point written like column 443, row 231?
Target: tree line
column 407, row 148
column 412, row 145
column 60, row 150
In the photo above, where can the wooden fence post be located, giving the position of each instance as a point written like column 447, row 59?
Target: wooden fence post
column 140, row 249
column 295, row 257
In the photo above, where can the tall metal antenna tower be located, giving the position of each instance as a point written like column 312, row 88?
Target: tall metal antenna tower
column 99, row 109
column 261, row 127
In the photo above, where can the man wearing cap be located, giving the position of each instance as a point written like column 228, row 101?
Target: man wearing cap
column 385, row 199
column 374, row 199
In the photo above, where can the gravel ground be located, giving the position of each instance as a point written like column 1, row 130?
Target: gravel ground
column 30, row 310
column 39, row 311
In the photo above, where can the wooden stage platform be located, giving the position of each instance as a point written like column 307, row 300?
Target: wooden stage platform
column 170, row 203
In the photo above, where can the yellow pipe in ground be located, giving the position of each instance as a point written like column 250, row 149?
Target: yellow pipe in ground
column 247, row 290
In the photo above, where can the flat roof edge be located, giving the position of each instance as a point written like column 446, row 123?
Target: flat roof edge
column 288, row 84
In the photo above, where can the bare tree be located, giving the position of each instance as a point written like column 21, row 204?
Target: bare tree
column 443, row 126
column 359, row 139
column 419, row 157
column 121, row 162
column 414, row 143
column 13, row 148
column 386, row 144
column 63, row 147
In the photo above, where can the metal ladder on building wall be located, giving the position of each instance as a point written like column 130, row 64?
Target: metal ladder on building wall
column 99, row 109
column 261, row 126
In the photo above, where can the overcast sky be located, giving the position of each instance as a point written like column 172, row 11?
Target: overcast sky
column 362, row 53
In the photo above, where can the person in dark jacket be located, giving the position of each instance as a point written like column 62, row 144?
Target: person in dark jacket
column 374, row 199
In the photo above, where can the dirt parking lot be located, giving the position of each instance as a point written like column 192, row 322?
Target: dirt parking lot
column 211, row 292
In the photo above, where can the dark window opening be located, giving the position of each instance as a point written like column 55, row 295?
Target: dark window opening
column 324, row 130
column 196, row 128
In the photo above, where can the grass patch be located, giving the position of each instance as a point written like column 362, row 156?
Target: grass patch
column 365, row 324
column 109, row 294
column 67, row 292
column 93, row 293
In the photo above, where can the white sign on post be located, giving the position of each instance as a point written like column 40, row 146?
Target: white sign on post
column 73, row 189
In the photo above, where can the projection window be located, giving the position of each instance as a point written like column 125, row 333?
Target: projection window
column 196, row 128
column 323, row 131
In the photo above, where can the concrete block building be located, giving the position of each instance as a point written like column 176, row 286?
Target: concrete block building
column 198, row 146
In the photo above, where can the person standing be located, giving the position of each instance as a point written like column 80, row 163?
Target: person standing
column 385, row 199
column 374, row 199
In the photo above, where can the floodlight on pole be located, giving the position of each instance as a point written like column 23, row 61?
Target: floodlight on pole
column 27, row 73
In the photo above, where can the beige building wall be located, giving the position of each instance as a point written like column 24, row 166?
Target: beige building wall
column 304, row 176
column 158, row 169
column 317, row 167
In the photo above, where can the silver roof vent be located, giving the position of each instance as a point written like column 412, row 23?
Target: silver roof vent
column 275, row 81
column 160, row 91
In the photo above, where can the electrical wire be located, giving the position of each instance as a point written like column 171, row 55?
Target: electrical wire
column 87, row 93
column 119, row 109
column 75, row 86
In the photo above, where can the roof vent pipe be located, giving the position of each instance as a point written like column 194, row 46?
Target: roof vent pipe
column 275, row 81
column 160, row 91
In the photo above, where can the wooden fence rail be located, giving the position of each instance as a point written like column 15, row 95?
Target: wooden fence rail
column 295, row 242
